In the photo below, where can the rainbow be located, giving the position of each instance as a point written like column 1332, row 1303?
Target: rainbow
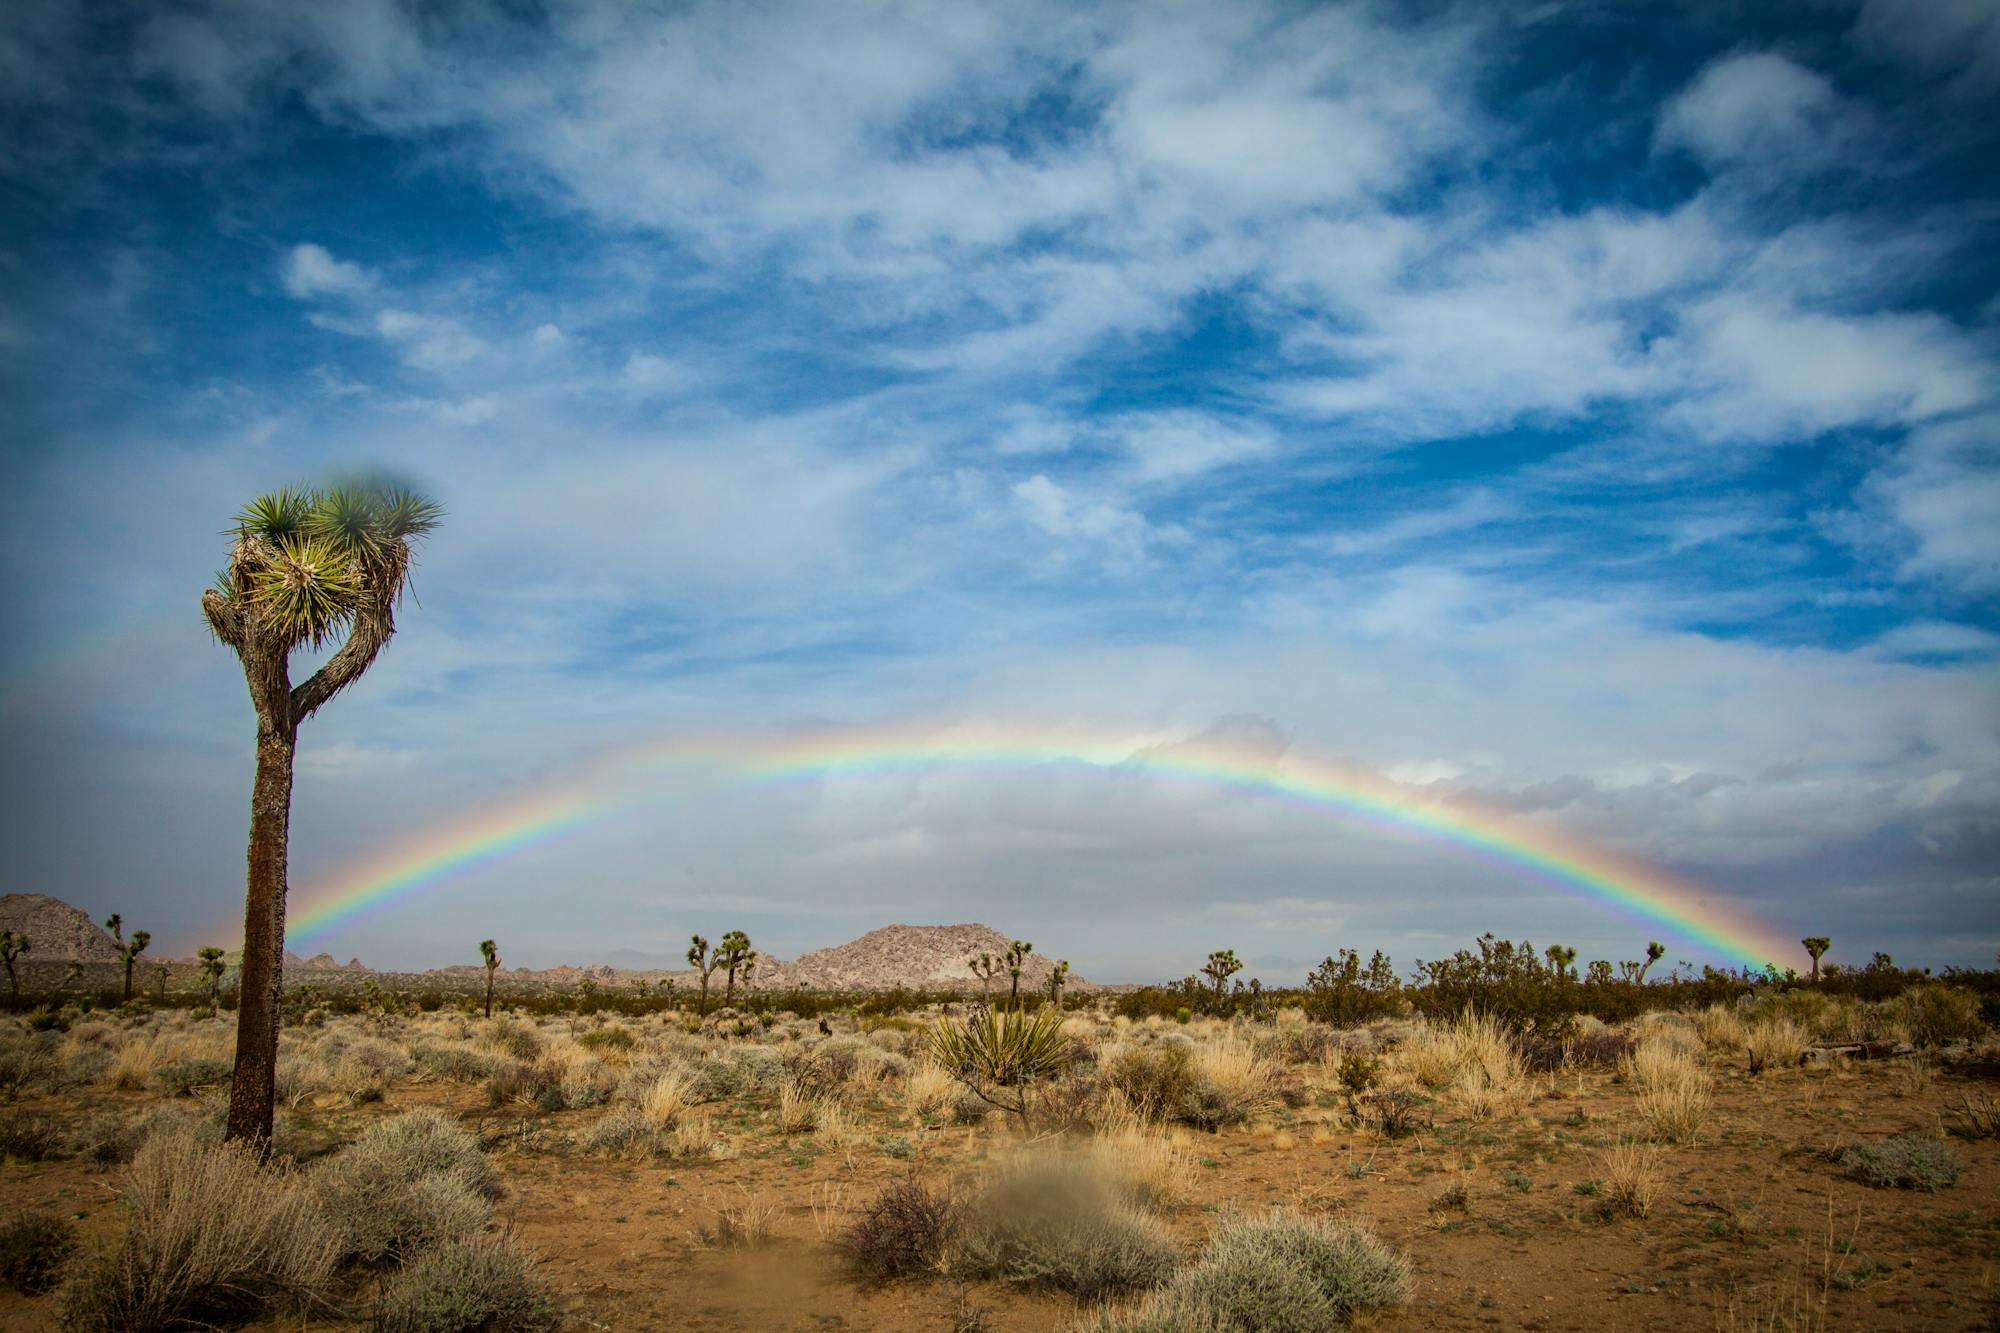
column 640, row 775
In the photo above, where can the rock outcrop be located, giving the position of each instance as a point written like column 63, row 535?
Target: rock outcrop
column 55, row 930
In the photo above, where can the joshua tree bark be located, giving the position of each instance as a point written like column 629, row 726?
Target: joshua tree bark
column 735, row 954
column 12, row 946
column 130, row 953
column 706, row 963
column 304, row 567
column 491, row 954
column 212, row 968
column 985, row 967
column 1017, row 954
column 1221, row 965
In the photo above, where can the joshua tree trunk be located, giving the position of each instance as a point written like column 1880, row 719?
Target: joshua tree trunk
column 489, row 991
column 252, row 1093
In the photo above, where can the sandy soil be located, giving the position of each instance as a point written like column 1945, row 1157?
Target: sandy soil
column 1757, row 1227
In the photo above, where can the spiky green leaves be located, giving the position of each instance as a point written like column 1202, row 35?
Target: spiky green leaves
column 305, row 589
column 305, row 560
column 1005, row 1047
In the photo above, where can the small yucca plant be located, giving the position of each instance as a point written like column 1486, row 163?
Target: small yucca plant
column 1001, row 1054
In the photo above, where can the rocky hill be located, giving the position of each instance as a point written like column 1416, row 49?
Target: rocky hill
column 55, row 930
column 913, row 956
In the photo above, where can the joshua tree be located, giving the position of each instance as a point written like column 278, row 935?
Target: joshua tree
column 211, row 968
column 489, row 952
column 306, row 569
column 706, row 962
column 72, row 973
column 116, row 925
column 130, row 953
column 1655, row 951
column 735, row 954
column 1816, row 945
column 1056, row 979
column 12, row 946
column 1561, row 957
column 162, row 971
column 1017, row 954
column 1221, row 966
column 985, row 967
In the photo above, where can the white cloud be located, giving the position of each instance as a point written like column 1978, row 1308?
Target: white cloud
column 1123, row 532
column 1760, row 110
column 309, row 271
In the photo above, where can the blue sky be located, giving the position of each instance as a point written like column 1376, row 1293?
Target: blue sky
column 1592, row 408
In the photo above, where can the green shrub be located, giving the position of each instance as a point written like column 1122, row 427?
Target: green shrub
column 613, row 1037
column 1282, row 1273
column 214, row 1238
column 903, row 1233
column 33, row 1249
column 468, row 1287
column 1051, row 1225
column 1937, row 1014
column 1155, row 1080
column 30, row 1138
column 460, row 1064
column 406, row 1186
column 181, row 1078
column 1910, row 1162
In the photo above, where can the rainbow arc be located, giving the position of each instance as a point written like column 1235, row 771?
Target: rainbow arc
column 1522, row 849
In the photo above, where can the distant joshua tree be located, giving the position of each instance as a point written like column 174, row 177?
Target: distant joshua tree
column 1221, row 966
column 212, row 969
column 12, row 946
column 735, row 954
column 489, row 953
column 1017, row 954
column 1056, row 979
column 985, row 967
column 72, row 973
column 705, row 962
column 130, row 953
column 1655, row 951
column 1816, row 945
column 1561, row 957
column 161, row 972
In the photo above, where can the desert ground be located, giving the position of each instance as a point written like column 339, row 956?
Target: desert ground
column 644, row 1172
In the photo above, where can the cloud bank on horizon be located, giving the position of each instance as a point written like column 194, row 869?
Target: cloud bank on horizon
column 1591, row 410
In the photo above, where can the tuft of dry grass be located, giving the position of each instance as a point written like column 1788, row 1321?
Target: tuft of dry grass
column 1720, row 1028
column 1776, row 1042
column 1633, row 1179
column 798, row 1110
column 1471, row 1057
column 213, row 1235
column 931, row 1092
column 1674, row 1090
column 1145, row 1166
column 669, row 1098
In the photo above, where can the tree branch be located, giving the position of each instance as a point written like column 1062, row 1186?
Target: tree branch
column 373, row 626
column 223, row 619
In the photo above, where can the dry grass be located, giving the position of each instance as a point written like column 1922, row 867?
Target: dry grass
column 212, row 1234
column 1144, row 1165
column 1470, row 1058
column 1674, row 1091
column 1776, row 1042
column 1633, row 1179
column 931, row 1092
column 1721, row 1028
column 669, row 1098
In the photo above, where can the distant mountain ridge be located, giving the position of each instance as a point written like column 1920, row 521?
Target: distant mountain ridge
column 916, row 957
column 55, row 930
column 912, row 956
